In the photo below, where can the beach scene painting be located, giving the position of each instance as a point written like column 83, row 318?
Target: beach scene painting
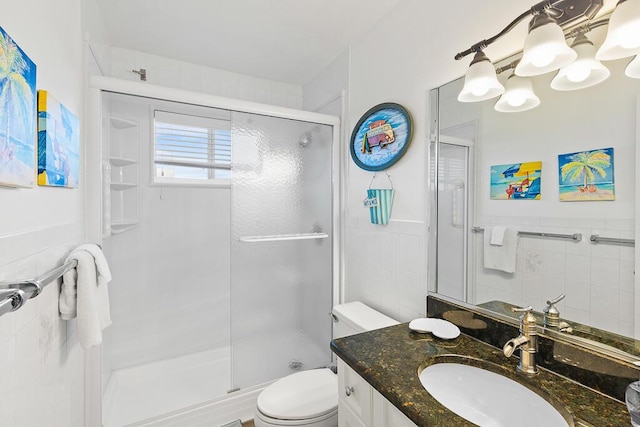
column 58, row 143
column 517, row 181
column 586, row 176
column 17, row 115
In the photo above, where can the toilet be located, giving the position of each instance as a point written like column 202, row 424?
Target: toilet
column 310, row 398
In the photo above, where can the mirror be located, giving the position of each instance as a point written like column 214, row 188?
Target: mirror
column 471, row 142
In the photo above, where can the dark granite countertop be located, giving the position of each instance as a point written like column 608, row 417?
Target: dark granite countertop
column 389, row 359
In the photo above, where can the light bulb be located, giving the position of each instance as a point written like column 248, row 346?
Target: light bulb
column 584, row 72
column 541, row 57
column 516, row 98
column 545, row 48
column 480, row 81
column 480, row 88
column 623, row 32
column 577, row 74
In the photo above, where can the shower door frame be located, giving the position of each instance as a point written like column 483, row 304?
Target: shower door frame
column 93, row 184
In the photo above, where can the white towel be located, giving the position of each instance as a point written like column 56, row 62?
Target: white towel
column 84, row 294
column 497, row 235
column 501, row 257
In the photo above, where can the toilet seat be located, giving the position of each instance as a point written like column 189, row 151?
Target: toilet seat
column 304, row 395
column 303, row 399
column 328, row 420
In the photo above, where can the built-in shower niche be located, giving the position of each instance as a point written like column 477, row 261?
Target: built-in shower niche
column 120, row 190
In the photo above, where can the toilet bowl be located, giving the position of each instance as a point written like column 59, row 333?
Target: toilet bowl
column 310, row 398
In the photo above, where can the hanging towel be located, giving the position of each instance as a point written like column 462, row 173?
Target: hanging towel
column 497, row 235
column 84, row 294
column 501, row 257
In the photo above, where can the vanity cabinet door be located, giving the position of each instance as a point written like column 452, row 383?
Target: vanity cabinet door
column 346, row 417
column 355, row 392
column 385, row 414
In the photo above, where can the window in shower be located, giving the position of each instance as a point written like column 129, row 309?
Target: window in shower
column 191, row 149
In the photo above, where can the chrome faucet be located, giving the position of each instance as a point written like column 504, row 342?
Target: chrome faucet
column 527, row 341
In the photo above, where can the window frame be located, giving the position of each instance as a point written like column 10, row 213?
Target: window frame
column 194, row 111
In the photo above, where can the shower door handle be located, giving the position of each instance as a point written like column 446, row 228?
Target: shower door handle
column 457, row 203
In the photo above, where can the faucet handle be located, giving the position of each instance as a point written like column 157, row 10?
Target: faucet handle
column 551, row 313
column 556, row 300
column 522, row 309
column 527, row 317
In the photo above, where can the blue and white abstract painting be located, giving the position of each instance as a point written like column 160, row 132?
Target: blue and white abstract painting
column 17, row 115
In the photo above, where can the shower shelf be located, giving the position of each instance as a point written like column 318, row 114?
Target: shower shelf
column 119, row 186
column 122, row 161
column 118, row 227
column 122, row 123
column 283, row 237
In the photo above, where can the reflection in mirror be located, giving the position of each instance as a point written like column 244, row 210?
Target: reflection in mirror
column 472, row 142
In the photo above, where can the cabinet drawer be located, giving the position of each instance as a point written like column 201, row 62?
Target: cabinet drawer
column 355, row 392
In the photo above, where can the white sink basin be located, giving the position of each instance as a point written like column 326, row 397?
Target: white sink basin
column 488, row 399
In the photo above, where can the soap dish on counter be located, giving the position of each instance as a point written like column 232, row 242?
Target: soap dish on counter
column 438, row 327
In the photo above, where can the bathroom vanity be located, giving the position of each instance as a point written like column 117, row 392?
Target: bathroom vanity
column 379, row 383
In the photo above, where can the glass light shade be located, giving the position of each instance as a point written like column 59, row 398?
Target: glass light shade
column 584, row 72
column 518, row 96
column 545, row 49
column 623, row 33
column 480, row 82
column 633, row 69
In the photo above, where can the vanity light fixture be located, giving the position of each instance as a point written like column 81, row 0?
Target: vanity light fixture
column 480, row 82
column 545, row 48
column 623, row 34
column 518, row 96
column 584, row 72
column 549, row 17
column 633, row 69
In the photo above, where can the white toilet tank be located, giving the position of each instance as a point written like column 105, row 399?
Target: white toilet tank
column 355, row 317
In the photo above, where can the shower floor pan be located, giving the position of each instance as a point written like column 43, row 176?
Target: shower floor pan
column 138, row 395
column 145, row 391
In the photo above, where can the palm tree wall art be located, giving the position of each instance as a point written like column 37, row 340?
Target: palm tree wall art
column 586, row 176
column 17, row 115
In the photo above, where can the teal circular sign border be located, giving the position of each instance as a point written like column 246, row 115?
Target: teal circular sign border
column 381, row 136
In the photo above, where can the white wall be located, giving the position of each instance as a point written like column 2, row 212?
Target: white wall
column 415, row 43
column 172, row 73
column 42, row 359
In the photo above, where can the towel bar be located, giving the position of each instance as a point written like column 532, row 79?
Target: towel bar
column 31, row 288
column 575, row 236
column 595, row 238
column 11, row 300
column 282, row 237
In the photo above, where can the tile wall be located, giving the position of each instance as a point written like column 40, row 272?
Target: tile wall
column 43, row 364
column 385, row 266
column 597, row 278
column 197, row 78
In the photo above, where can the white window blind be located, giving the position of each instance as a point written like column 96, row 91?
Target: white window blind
column 190, row 148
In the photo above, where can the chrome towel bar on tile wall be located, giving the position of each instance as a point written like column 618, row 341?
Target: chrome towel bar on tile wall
column 282, row 237
column 597, row 239
column 13, row 294
column 575, row 236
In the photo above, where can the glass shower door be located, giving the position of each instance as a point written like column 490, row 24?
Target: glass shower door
column 281, row 228
column 452, row 220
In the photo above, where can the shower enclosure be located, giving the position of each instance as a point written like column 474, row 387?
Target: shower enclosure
column 219, row 222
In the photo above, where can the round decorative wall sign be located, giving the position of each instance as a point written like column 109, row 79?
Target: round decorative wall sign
column 381, row 137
